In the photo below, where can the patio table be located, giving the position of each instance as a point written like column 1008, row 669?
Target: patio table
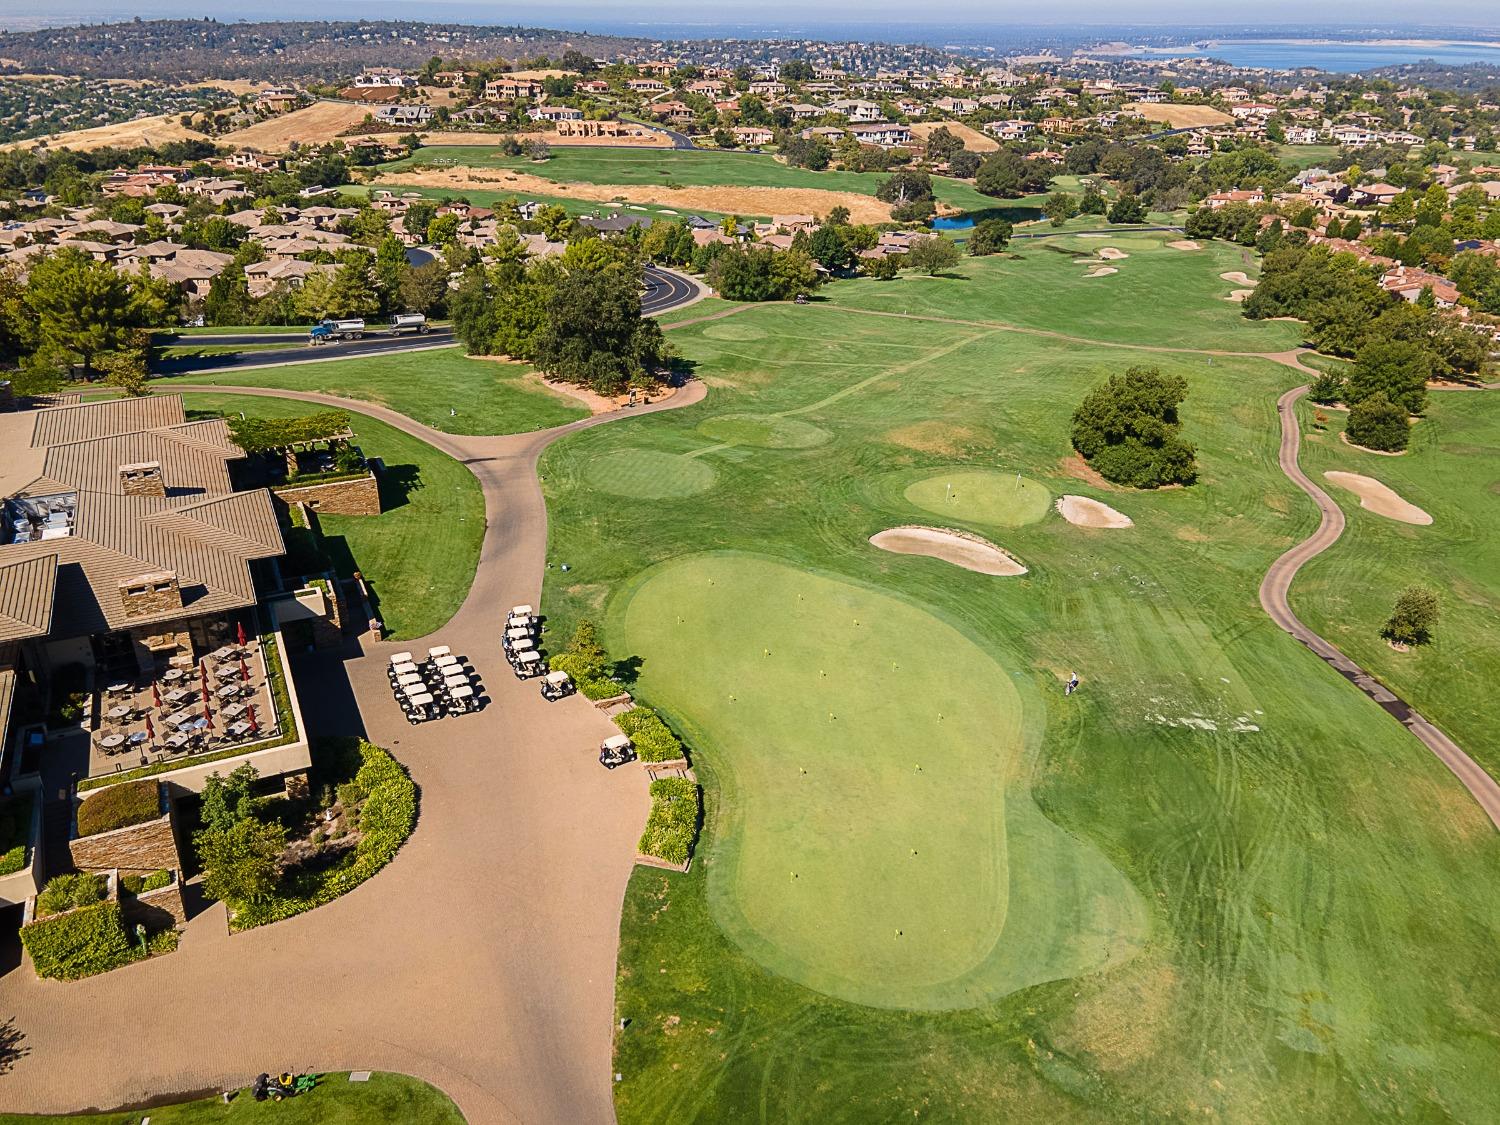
column 239, row 729
column 118, row 689
column 180, row 718
column 224, row 652
column 177, row 741
column 177, row 695
column 115, row 714
column 227, row 671
column 172, row 674
column 228, row 691
column 111, row 741
column 234, row 710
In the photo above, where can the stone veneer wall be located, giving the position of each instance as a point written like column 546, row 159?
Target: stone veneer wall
column 137, row 850
column 358, row 497
column 156, row 909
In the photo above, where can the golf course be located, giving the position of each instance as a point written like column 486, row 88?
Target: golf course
column 1215, row 882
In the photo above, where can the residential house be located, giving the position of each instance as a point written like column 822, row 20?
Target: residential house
column 1225, row 198
column 1408, row 283
column 885, row 134
column 753, row 135
column 510, row 89
column 404, row 116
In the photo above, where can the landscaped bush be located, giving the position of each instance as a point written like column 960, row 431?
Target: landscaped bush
column 386, row 819
column 673, row 821
column 1127, row 429
column 654, row 740
column 256, row 435
column 119, row 806
column 68, row 694
column 15, row 830
column 1378, row 423
column 87, row 941
column 141, row 884
column 64, row 892
column 586, row 661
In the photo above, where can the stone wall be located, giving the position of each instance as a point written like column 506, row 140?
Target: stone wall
column 157, row 909
column 137, row 850
column 358, row 497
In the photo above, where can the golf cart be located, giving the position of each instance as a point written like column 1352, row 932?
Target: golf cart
column 528, row 664
column 521, row 616
column 515, row 635
column 615, row 750
column 556, row 685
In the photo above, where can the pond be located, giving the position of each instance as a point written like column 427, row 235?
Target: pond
column 960, row 222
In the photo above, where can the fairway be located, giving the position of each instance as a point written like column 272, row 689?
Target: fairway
column 977, row 496
column 879, row 842
column 648, row 475
column 766, row 431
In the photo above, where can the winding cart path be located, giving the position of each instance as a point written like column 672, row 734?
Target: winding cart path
column 482, row 959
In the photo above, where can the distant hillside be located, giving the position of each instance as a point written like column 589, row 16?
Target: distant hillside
column 190, row 50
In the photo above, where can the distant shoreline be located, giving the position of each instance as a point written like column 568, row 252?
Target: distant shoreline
column 1118, row 48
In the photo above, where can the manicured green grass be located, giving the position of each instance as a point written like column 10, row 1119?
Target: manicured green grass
column 1452, row 471
column 655, row 166
column 335, row 1101
column 1307, row 156
column 419, row 555
column 704, row 308
column 483, row 396
column 246, row 329
column 1159, row 296
column 1319, row 894
column 879, row 848
column 981, row 496
column 194, row 351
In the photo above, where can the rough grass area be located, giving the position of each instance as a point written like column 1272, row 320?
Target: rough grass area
column 335, row 1101
column 419, row 555
column 1319, row 892
column 119, row 806
column 485, row 396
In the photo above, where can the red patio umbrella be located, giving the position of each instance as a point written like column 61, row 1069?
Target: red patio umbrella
column 155, row 696
column 250, row 714
column 150, row 731
column 239, row 632
column 244, row 672
column 207, row 715
column 203, row 679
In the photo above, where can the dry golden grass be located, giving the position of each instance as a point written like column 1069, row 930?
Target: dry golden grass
column 316, row 124
column 1181, row 116
column 972, row 138
column 141, row 131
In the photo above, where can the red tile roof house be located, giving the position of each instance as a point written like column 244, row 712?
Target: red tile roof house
column 1374, row 195
column 1225, row 198
column 1408, row 283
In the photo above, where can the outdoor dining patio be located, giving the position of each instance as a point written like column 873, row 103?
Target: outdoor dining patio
column 189, row 706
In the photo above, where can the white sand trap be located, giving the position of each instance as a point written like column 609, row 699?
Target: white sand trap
column 1239, row 295
column 1083, row 512
column 1110, row 254
column 967, row 551
column 1376, row 497
column 1238, row 278
column 1185, row 244
column 1102, row 271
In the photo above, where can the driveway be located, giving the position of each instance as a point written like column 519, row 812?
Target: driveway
column 482, row 959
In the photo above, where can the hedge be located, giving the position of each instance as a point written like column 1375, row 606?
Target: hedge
column 591, row 687
column 119, row 806
column 385, row 821
column 15, row 831
column 673, row 821
column 653, row 739
column 260, row 435
column 140, row 884
column 81, row 943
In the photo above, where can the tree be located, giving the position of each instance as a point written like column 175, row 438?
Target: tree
column 594, row 333
column 906, row 185
column 1398, row 369
column 241, row 863
column 1128, row 209
column 883, row 268
column 1327, row 388
column 227, row 800
column 424, row 288
column 125, row 368
column 1128, row 430
column 828, row 247
column 932, row 255
column 1414, row 617
column 965, row 164
column 990, row 236
column 1006, row 173
column 1375, row 422
column 1060, row 207
column 943, row 145
column 82, row 307
column 1093, row 201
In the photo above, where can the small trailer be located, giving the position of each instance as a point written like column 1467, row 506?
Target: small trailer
column 331, row 331
column 403, row 323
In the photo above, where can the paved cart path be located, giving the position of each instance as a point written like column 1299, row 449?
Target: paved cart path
column 482, row 959
column 1273, row 598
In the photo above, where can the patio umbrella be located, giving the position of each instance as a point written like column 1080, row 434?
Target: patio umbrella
column 239, row 633
column 203, row 679
column 155, row 696
column 207, row 715
column 250, row 714
column 244, row 672
column 150, row 731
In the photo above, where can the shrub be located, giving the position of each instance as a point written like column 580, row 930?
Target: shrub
column 1412, row 621
column 87, row 941
column 68, row 694
column 119, row 806
column 1327, row 388
column 1127, row 429
column 350, row 794
column 64, row 892
column 15, row 831
column 673, row 822
column 1378, row 423
column 654, row 740
column 141, row 884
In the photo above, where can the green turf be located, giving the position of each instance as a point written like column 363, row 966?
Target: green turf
column 195, row 351
column 649, row 475
column 441, row 388
column 882, row 847
column 1452, row 472
column 385, row 1098
column 1321, row 898
column 419, row 555
column 767, row 431
column 981, row 496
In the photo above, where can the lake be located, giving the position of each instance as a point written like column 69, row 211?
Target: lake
column 1344, row 58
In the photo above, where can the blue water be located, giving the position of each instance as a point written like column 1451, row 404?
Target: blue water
column 960, row 223
column 1343, row 58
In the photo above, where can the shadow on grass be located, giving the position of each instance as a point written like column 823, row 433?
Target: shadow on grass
column 397, row 483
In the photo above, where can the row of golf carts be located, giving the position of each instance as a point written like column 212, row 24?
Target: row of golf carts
column 432, row 688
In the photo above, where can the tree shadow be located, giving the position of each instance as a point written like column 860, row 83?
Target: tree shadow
column 11, row 1050
column 627, row 671
column 397, row 483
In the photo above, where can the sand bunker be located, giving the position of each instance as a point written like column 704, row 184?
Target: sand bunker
column 967, row 551
column 1102, row 271
column 1111, row 254
column 1239, row 295
column 1083, row 512
column 1238, row 277
column 1376, row 497
column 1184, row 244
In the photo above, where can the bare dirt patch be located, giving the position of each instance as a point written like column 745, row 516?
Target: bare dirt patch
column 1238, row 278
column 725, row 200
column 316, row 124
column 1180, row 116
column 1378, row 498
column 1084, row 512
column 1075, row 466
column 1119, row 1025
column 1112, row 254
column 1185, row 244
column 935, row 437
column 972, row 138
column 967, row 551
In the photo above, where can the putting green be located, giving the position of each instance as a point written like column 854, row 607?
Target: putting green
column 877, row 840
column 982, row 496
column 764, row 430
column 646, row 474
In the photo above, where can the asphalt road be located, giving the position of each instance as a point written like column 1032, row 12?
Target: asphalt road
column 664, row 290
column 1273, row 599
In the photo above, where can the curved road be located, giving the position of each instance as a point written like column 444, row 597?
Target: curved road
column 664, row 290
column 1273, row 599
column 482, row 959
